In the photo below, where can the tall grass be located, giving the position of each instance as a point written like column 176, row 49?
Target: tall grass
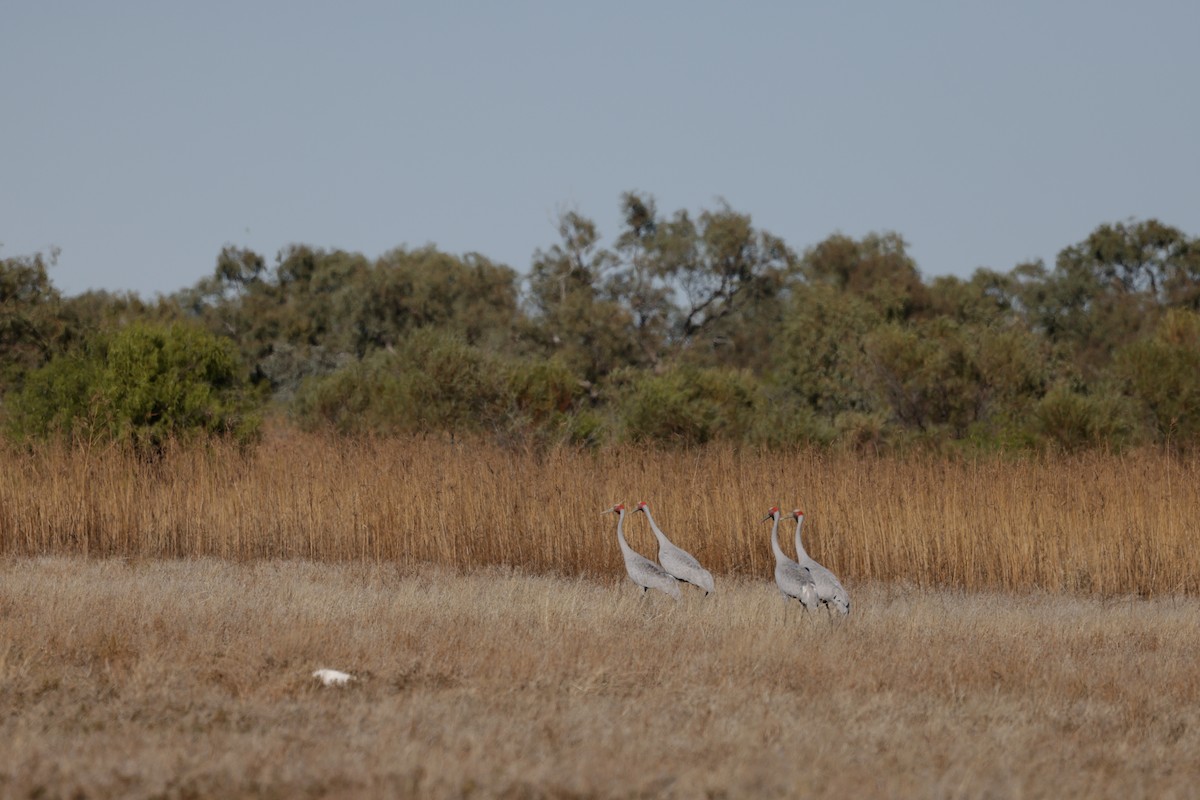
column 1094, row 523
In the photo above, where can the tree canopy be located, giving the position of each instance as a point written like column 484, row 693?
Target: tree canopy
column 683, row 328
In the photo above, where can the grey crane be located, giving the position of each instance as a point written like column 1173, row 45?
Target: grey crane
column 679, row 563
column 830, row 591
column 642, row 571
column 792, row 579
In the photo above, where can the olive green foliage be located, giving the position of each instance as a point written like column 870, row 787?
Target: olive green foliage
column 435, row 381
column 675, row 328
column 819, row 349
column 1068, row 419
column 430, row 382
column 144, row 385
column 688, row 405
column 1162, row 375
column 1111, row 288
column 943, row 378
column 317, row 310
column 576, row 315
column 30, row 319
column 710, row 288
column 876, row 269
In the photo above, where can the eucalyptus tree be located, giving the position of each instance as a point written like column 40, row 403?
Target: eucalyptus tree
column 1112, row 288
column 709, row 287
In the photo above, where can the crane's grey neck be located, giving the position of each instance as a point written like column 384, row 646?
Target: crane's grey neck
column 779, row 556
column 801, row 553
column 620, row 530
column 658, row 534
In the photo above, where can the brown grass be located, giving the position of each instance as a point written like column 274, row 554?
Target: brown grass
column 1094, row 523
column 191, row 678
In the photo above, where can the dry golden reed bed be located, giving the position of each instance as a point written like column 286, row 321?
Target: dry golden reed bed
column 1106, row 524
column 192, row 678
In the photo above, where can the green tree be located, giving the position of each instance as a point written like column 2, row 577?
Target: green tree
column 876, row 268
column 31, row 323
column 818, row 352
column 986, row 297
column 431, row 382
column 1162, row 374
column 575, row 313
column 143, row 384
column 941, row 378
column 637, row 283
column 285, row 320
column 98, row 311
column 1146, row 257
column 435, row 381
column 1069, row 418
column 317, row 311
column 688, row 405
column 1110, row 289
column 469, row 296
column 710, row 285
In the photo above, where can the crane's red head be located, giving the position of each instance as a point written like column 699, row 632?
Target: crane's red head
column 797, row 513
column 771, row 513
column 642, row 506
column 618, row 508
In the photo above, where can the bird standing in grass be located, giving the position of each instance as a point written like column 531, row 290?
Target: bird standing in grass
column 642, row 571
column 792, row 579
column 830, row 591
column 677, row 562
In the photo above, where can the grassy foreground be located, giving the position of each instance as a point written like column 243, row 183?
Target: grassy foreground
column 191, row 678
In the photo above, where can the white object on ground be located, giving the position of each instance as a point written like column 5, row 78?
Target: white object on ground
column 332, row 677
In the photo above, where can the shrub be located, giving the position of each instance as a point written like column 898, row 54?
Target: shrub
column 1070, row 420
column 1162, row 375
column 143, row 384
column 432, row 381
column 688, row 405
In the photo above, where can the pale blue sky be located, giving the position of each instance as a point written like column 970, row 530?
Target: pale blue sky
column 141, row 137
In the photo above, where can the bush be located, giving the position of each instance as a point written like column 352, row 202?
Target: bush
column 1162, row 375
column 436, row 382
column 143, row 384
column 543, row 391
column 431, row 381
column 1070, row 420
column 688, row 405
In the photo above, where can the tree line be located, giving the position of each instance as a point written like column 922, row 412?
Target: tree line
column 684, row 328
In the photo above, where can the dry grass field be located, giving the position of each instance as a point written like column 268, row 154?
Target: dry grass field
column 1022, row 627
column 1110, row 525
column 192, row 678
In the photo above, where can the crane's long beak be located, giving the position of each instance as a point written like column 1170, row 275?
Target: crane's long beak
column 767, row 517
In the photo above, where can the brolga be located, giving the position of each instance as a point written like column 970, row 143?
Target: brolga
column 642, row 571
column 792, row 579
column 830, row 592
column 679, row 563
